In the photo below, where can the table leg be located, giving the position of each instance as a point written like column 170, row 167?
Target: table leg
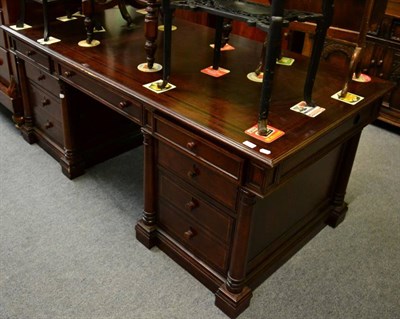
column 46, row 31
column 124, row 12
column 167, row 42
column 217, row 42
column 146, row 227
column 21, row 21
column 151, row 30
column 233, row 297
column 271, row 55
column 318, row 46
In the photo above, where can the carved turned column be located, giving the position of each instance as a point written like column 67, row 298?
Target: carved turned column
column 88, row 11
column 233, row 297
column 339, row 205
column 226, row 31
column 151, row 30
column 71, row 162
column 27, row 127
column 146, row 227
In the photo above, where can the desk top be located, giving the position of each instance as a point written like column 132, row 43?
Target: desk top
column 222, row 108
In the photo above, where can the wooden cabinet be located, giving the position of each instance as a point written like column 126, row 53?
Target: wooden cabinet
column 9, row 95
column 73, row 127
column 229, row 213
column 200, row 217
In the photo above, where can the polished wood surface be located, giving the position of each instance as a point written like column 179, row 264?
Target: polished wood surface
column 380, row 55
column 196, row 97
column 226, row 212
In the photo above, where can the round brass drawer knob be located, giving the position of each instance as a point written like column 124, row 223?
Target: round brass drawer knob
column 191, row 205
column 190, row 233
column 68, row 74
column 191, row 145
column 45, row 102
column 123, row 104
column 48, row 125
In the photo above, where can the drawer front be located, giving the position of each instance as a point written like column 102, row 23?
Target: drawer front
column 41, row 99
column 199, row 175
column 203, row 150
column 196, row 208
column 42, row 78
column 4, row 66
column 129, row 107
column 48, row 125
column 193, row 237
column 32, row 54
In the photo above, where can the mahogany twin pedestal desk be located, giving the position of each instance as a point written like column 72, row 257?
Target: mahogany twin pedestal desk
column 226, row 212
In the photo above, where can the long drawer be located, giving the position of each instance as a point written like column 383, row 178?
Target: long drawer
column 127, row 106
column 196, row 208
column 200, row 242
column 29, row 53
column 198, row 174
column 205, row 151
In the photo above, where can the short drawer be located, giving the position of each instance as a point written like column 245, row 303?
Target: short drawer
column 48, row 125
column 32, row 54
column 195, row 208
column 4, row 66
column 226, row 162
column 41, row 99
column 199, row 175
column 42, row 78
column 127, row 106
column 194, row 238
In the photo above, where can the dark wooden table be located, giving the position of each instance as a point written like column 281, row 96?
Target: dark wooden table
column 226, row 212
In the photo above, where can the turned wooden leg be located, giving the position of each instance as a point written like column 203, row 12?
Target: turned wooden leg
column 233, row 297
column 89, row 25
column 318, row 46
column 146, row 227
column 88, row 11
column 217, row 42
column 354, row 62
column 124, row 12
column 226, row 31
column 271, row 54
column 27, row 128
column 46, row 32
column 21, row 21
column 151, row 30
column 72, row 164
column 167, row 43
column 260, row 66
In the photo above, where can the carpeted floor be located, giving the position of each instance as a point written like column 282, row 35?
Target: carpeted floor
column 68, row 248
